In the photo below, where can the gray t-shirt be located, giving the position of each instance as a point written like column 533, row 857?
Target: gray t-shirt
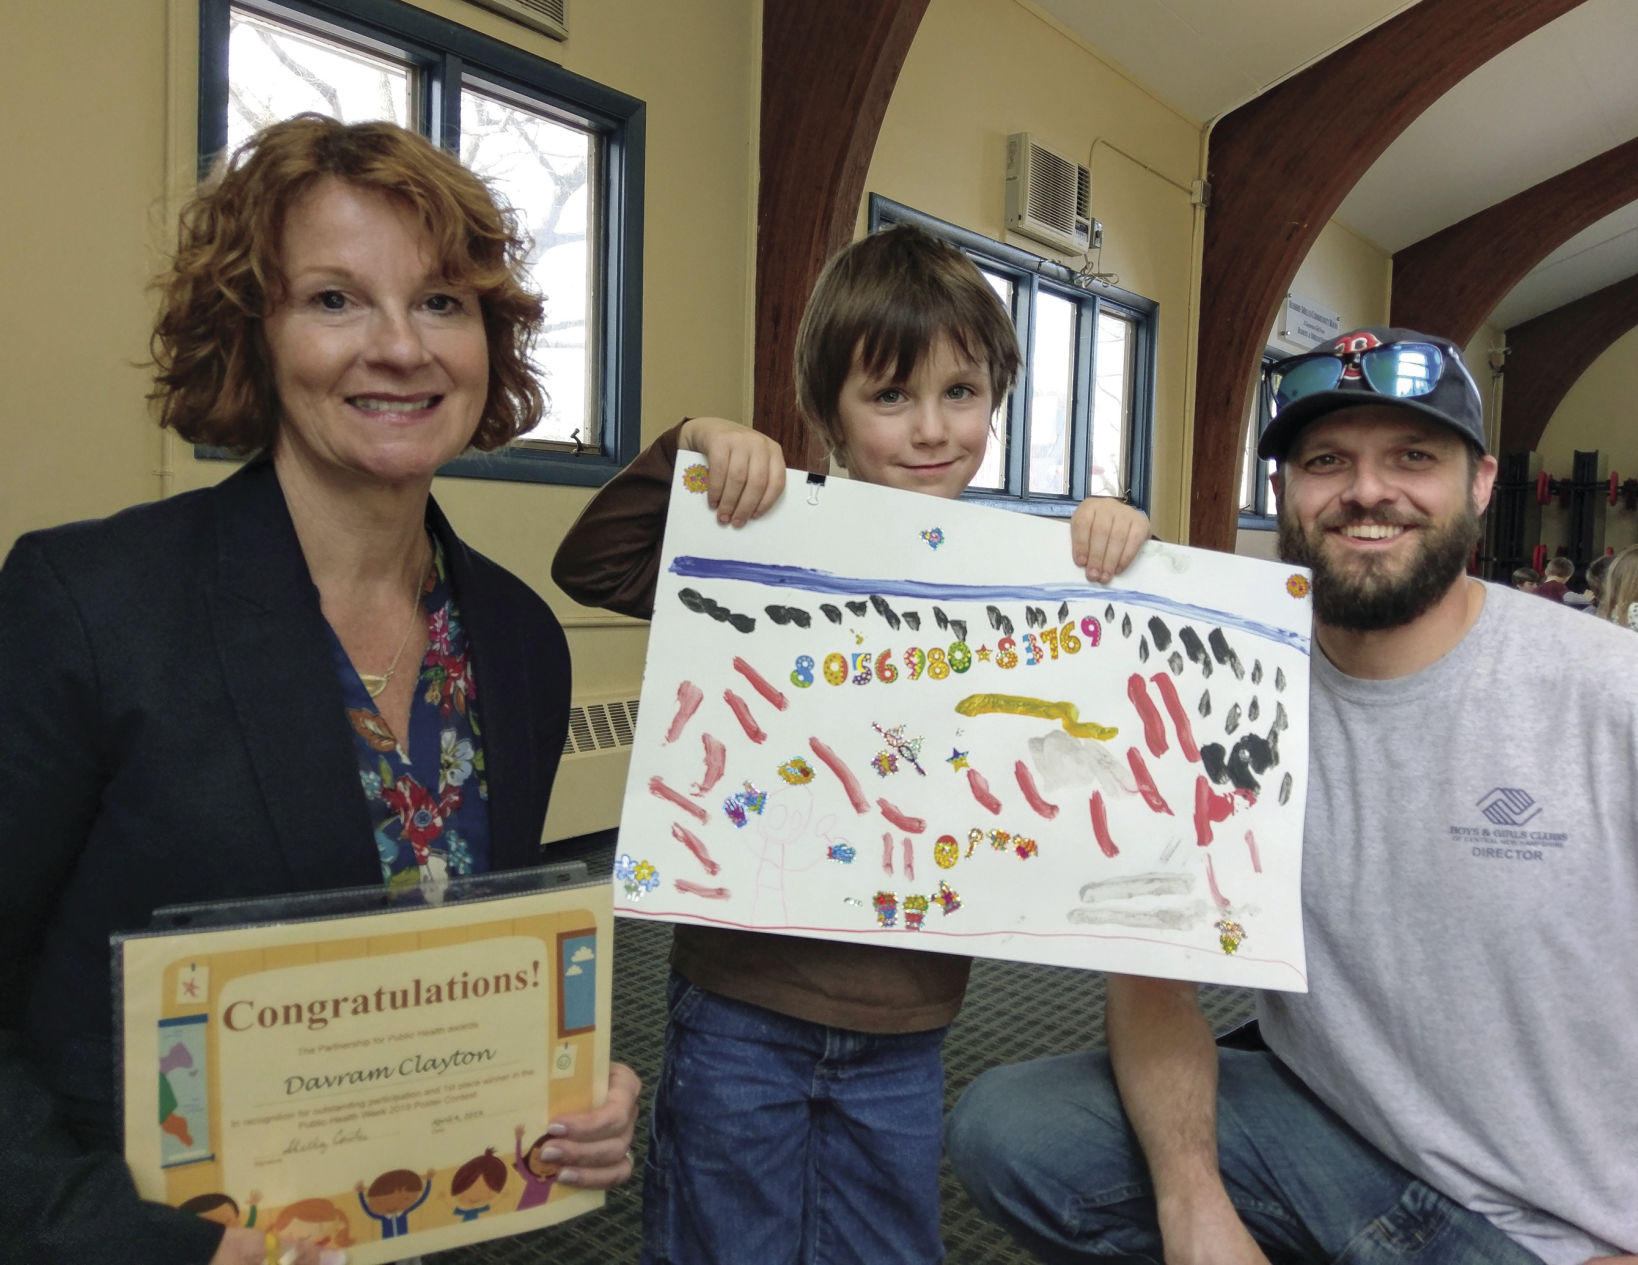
column 1470, row 903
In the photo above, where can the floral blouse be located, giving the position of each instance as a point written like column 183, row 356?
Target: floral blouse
column 430, row 807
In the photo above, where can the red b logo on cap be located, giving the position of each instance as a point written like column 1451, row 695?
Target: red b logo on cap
column 1355, row 343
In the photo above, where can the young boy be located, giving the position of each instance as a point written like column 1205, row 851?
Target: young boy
column 1557, row 581
column 799, row 1108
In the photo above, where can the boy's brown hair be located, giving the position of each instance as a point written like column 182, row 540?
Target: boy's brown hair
column 886, row 300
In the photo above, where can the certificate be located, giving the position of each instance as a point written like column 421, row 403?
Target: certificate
column 378, row 1081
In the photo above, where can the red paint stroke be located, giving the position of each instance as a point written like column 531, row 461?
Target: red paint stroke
column 1154, row 732
column 887, row 854
column 914, row 825
column 699, row 889
column 688, row 702
column 1210, row 806
column 981, row 791
column 683, row 835
column 909, row 860
column 1256, row 860
column 657, row 786
column 716, row 759
column 833, row 762
column 1179, row 715
column 1146, row 784
column 1026, row 783
column 760, row 684
column 742, row 714
column 1100, row 826
column 1211, row 879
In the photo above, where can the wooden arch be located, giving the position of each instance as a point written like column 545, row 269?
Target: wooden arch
column 1546, row 356
column 1279, row 167
column 1450, row 282
column 828, row 72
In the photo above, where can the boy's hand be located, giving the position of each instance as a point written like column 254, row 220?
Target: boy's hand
column 747, row 468
column 1105, row 535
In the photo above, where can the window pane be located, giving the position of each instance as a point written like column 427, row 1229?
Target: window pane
column 1114, row 373
column 542, row 167
column 275, row 71
column 992, row 471
column 1052, row 382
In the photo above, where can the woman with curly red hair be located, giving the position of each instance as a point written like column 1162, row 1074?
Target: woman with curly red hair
column 298, row 679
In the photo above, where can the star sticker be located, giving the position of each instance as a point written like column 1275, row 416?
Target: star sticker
column 957, row 760
column 983, row 653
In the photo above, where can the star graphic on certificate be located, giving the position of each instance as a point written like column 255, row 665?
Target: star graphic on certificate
column 957, row 760
column 983, row 653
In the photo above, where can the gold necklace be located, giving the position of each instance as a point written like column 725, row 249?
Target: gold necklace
column 375, row 685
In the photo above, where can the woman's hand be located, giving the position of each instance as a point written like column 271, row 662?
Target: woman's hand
column 1105, row 535
column 249, row 1247
column 594, row 1147
column 747, row 468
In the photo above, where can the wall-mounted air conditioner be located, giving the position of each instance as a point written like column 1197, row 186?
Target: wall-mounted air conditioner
column 548, row 16
column 1049, row 197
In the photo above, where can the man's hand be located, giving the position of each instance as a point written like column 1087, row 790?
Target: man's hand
column 1212, row 1234
column 1105, row 535
column 747, row 468
column 594, row 1147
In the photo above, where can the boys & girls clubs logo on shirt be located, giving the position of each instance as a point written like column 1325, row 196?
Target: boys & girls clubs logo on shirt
column 1510, row 829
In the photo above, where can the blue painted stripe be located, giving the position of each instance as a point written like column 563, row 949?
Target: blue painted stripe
column 778, row 575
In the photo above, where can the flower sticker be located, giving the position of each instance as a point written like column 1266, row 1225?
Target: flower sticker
column 934, row 536
column 637, row 878
column 696, row 478
column 1297, row 586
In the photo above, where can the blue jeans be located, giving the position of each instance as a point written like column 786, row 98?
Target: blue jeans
column 1045, row 1149
column 776, row 1140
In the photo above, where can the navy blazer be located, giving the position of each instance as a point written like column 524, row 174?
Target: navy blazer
column 172, row 730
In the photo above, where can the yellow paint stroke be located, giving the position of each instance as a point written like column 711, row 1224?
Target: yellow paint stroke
column 1019, row 705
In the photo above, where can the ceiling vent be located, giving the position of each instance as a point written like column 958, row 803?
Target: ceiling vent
column 547, row 16
column 1049, row 198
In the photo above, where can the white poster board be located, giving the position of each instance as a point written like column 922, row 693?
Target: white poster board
column 883, row 717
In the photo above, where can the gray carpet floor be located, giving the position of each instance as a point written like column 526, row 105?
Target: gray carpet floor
column 1013, row 1012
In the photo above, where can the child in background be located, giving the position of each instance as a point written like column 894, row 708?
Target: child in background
column 798, row 1112
column 1556, row 579
column 1526, row 579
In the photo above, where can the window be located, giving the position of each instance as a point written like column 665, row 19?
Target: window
column 1078, row 422
column 565, row 152
column 1256, row 494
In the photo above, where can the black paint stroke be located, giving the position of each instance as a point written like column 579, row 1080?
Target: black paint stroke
column 857, row 608
column 912, row 621
column 1174, row 661
column 940, row 618
column 885, row 611
column 702, row 605
column 1256, row 671
column 1279, row 679
column 1162, row 635
column 1224, row 653
column 789, row 615
column 959, row 628
column 1143, row 649
column 1195, row 649
column 1239, row 767
column 1285, row 789
column 1205, row 700
column 1231, row 722
column 1063, row 612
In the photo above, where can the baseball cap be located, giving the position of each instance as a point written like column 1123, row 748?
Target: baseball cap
column 1374, row 365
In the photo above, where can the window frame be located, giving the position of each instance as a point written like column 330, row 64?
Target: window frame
column 1031, row 274
column 1260, row 514
column 444, row 54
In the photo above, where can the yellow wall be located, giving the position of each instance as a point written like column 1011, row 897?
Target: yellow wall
column 1598, row 412
column 981, row 69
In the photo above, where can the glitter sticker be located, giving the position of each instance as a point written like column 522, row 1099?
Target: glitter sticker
column 915, row 909
column 1025, row 848
column 842, row 852
column 637, row 878
column 900, row 747
column 1229, row 934
column 887, row 908
column 946, row 898
column 957, row 759
column 748, row 800
column 796, row 771
column 999, row 839
column 975, row 836
column 735, row 811
column 884, row 763
column 934, row 536
column 983, row 653
column 946, row 852
column 1297, row 586
column 696, row 478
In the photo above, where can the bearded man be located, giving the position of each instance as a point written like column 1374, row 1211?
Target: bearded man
column 1455, row 1088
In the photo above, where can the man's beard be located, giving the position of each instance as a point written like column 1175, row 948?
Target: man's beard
column 1369, row 597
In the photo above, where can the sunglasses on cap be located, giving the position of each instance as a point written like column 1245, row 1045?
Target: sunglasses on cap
column 1401, row 370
